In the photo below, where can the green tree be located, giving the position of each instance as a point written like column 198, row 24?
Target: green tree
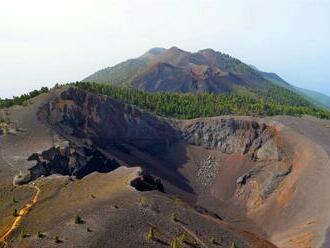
column 272, row 100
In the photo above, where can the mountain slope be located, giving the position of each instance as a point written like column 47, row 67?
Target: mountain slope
column 274, row 78
column 123, row 72
column 227, row 178
column 321, row 99
column 119, row 74
column 175, row 70
column 317, row 98
column 205, row 71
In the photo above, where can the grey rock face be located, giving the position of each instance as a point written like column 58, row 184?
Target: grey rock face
column 267, row 176
column 269, row 151
column 71, row 160
column 98, row 121
column 107, row 122
column 272, row 183
column 231, row 136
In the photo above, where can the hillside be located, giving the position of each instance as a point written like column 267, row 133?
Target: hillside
column 175, row 70
column 321, row 99
column 125, row 71
column 206, row 71
column 315, row 97
column 55, row 145
column 188, row 106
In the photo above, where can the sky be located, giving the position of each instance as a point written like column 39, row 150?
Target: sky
column 45, row 42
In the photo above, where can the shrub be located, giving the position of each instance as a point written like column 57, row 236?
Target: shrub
column 174, row 217
column 22, row 233
column 57, row 240
column 174, row 243
column 78, row 220
column 150, row 234
column 184, row 238
column 40, row 235
column 233, row 245
column 15, row 212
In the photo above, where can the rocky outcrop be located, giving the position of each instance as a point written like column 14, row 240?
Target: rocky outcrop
column 255, row 186
column 70, row 160
column 234, row 136
column 107, row 122
column 102, row 123
column 146, row 182
column 256, row 143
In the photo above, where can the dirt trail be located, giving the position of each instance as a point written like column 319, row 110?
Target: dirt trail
column 23, row 211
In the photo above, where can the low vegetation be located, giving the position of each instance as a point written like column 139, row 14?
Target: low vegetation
column 22, row 233
column 78, row 220
column 57, row 240
column 174, row 243
column 15, row 212
column 23, row 99
column 150, row 236
column 273, row 101
column 174, row 217
column 40, row 235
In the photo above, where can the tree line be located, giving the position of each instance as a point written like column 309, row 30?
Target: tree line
column 188, row 106
column 23, row 99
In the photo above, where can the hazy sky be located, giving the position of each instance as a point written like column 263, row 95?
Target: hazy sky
column 44, row 42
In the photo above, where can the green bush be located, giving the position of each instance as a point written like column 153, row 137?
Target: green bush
column 57, row 240
column 233, row 245
column 22, row 233
column 174, row 243
column 150, row 234
column 15, row 212
column 78, row 220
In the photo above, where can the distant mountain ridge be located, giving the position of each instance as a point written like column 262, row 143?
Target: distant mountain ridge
column 176, row 70
column 322, row 100
column 319, row 99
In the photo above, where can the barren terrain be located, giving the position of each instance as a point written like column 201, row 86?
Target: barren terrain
column 258, row 182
